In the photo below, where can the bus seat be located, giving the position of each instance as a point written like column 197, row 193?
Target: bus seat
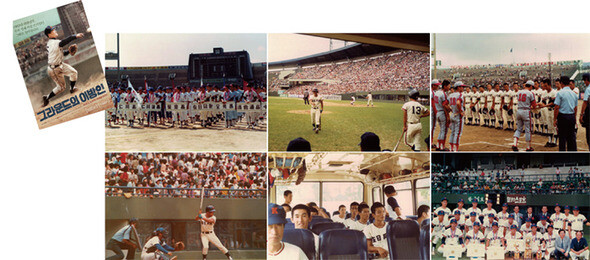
column 343, row 244
column 302, row 238
column 425, row 239
column 403, row 239
column 318, row 220
column 318, row 228
column 289, row 225
column 387, row 219
column 412, row 217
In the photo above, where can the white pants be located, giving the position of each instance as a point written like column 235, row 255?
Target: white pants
column 211, row 237
column 58, row 73
column 583, row 255
column 316, row 116
column 370, row 102
column 413, row 135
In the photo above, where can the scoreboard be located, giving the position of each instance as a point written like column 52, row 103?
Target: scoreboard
column 220, row 67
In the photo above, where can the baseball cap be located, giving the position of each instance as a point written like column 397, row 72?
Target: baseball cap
column 459, row 84
column 566, row 207
column 48, row 30
column 505, row 205
column 474, row 201
column 533, row 225
column 550, row 226
column 453, row 221
column 490, row 215
column 513, row 227
column 457, row 212
column 495, row 224
column 443, row 199
column 472, row 214
column 370, row 142
column 490, row 201
column 576, row 208
column 299, row 145
column 543, row 217
column 461, row 200
column 557, row 205
column 440, row 212
column 435, row 82
column 476, row 223
column 530, row 83
column 511, row 216
column 529, row 220
column 276, row 214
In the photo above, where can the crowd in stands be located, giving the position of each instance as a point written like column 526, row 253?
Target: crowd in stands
column 480, row 75
column 510, row 180
column 221, row 175
column 31, row 54
column 394, row 71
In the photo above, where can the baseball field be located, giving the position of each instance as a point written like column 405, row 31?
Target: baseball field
column 342, row 124
column 477, row 138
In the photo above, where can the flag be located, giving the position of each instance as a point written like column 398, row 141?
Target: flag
column 137, row 96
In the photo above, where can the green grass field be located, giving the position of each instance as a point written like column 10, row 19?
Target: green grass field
column 342, row 124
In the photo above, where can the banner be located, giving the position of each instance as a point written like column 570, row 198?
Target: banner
column 513, row 199
column 243, row 107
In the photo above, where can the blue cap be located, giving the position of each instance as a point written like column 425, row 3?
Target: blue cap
column 511, row 216
column 461, row 200
column 440, row 212
column 472, row 214
column 48, row 30
column 557, row 205
column 566, row 207
column 276, row 214
column 453, row 221
column 505, row 205
column 443, row 199
column 534, row 225
column 529, row 220
column 550, row 226
column 495, row 224
column 576, row 208
column 491, row 215
column 476, row 224
column 457, row 212
column 513, row 227
column 474, row 200
column 490, row 201
column 543, row 217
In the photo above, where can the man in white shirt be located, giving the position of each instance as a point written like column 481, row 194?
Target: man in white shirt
column 341, row 217
column 364, row 213
column 301, row 217
column 276, row 249
column 444, row 208
column 461, row 209
column 349, row 222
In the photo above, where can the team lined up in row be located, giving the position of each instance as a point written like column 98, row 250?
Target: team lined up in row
column 537, row 108
column 508, row 230
column 185, row 94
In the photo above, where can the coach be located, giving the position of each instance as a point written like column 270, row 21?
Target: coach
column 585, row 113
column 565, row 115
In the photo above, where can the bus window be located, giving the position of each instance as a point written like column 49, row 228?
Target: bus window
column 302, row 194
column 404, row 197
column 423, row 191
column 376, row 195
column 335, row 194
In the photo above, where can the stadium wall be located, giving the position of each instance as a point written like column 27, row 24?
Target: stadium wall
column 580, row 200
column 397, row 96
column 120, row 208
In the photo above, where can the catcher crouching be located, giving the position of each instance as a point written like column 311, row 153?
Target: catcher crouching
column 156, row 248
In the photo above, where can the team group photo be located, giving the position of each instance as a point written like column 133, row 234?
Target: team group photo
column 348, row 92
column 513, row 92
column 216, row 101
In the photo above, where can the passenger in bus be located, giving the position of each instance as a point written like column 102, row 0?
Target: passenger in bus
column 277, row 249
column 352, row 219
column 393, row 209
column 364, row 212
column 321, row 211
column 376, row 232
column 301, row 216
column 341, row 216
column 288, row 195
column 423, row 212
column 287, row 209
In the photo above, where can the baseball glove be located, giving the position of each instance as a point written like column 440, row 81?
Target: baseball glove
column 492, row 111
column 505, row 107
column 73, row 49
column 179, row 246
column 473, row 109
column 510, row 112
column 485, row 111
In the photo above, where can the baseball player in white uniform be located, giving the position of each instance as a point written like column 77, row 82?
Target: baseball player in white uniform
column 207, row 234
column 376, row 232
column 370, row 99
column 468, row 114
column 441, row 104
column 317, row 107
column 558, row 219
column 512, row 239
column 413, row 112
column 456, row 101
column 353, row 100
column 453, row 236
column 497, row 108
column 548, row 99
column 577, row 221
column 506, row 104
column 56, row 68
column 514, row 107
column 526, row 102
column 439, row 225
column 277, row 249
column 156, row 248
column 489, row 105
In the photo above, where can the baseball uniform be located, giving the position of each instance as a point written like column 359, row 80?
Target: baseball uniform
column 456, row 101
column 287, row 251
column 440, row 99
column 378, row 237
column 526, row 99
column 208, row 235
column 316, row 106
column 414, row 111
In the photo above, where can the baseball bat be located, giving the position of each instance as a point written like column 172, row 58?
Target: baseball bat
column 399, row 140
column 202, row 196
column 138, row 238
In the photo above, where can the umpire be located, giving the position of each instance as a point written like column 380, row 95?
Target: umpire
column 585, row 113
column 122, row 240
column 565, row 115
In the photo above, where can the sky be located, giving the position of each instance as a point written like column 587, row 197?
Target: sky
column 282, row 46
column 472, row 49
column 174, row 49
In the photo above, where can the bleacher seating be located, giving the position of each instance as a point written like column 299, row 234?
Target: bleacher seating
column 343, row 244
column 302, row 238
column 403, row 239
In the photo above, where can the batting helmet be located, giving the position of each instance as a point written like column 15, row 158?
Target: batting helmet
column 210, row 208
column 414, row 94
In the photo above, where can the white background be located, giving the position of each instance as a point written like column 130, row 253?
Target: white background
column 51, row 195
